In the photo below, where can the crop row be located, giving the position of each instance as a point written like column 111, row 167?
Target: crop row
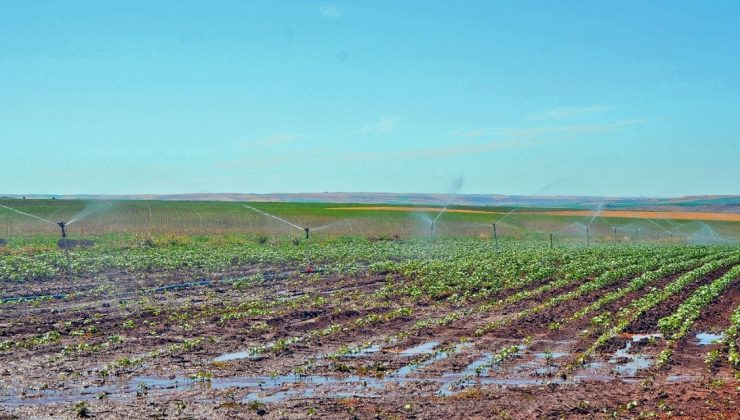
column 644, row 280
column 676, row 325
column 600, row 282
column 636, row 308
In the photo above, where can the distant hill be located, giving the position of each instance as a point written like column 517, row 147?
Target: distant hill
column 709, row 204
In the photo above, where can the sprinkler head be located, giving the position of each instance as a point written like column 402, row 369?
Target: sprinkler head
column 306, row 229
column 63, row 226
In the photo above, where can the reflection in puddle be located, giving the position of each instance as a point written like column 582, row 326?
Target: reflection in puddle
column 705, row 338
column 275, row 389
column 680, row 378
column 424, row 348
column 238, row 356
column 627, row 364
column 640, row 337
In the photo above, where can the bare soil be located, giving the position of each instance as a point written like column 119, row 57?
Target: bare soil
column 335, row 346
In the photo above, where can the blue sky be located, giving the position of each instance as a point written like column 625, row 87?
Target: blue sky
column 516, row 97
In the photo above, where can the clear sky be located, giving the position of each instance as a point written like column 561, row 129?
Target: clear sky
column 518, row 97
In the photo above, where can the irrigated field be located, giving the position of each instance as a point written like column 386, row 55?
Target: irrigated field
column 343, row 327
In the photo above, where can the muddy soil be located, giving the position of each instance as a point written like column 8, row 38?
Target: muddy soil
column 298, row 344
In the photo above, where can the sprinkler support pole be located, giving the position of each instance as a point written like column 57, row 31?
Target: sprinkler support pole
column 495, row 236
column 615, row 234
column 551, row 241
column 588, row 237
column 65, row 245
column 306, row 229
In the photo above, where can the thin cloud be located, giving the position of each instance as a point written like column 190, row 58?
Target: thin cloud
column 560, row 113
column 271, row 140
column 569, row 129
column 386, row 124
column 516, row 138
column 330, row 11
column 474, row 133
column 440, row 152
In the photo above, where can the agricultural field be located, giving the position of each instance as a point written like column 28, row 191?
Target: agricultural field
column 214, row 310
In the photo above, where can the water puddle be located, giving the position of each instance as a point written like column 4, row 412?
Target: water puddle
column 439, row 355
column 533, row 370
column 424, row 348
column 680, row 378
column 627, row 364
column 706, row 339
column 636, row 338
column 543, row 355
column 363, row 352
column 238, row 355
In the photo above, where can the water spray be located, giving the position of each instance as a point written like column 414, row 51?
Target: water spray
column 278, row 219
column 26, row 214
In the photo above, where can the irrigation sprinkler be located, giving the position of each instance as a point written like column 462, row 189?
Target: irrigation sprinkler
column 615, row 234
column 307, row 230
column 588, row 237
column 495, row 237
column 551, row 241
column 62, row 226
column 65, row 244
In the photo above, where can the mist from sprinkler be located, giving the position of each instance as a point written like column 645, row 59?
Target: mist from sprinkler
column 91, row 208
column 305, row 229
column 597, row 213
column 658, row 225
column 454, row 189
column 62, row 226
column 29, row 215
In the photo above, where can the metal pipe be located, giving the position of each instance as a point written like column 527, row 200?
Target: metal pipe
column 65, row 244
column 306, row 229
column 551, row 241
column 495, row 237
